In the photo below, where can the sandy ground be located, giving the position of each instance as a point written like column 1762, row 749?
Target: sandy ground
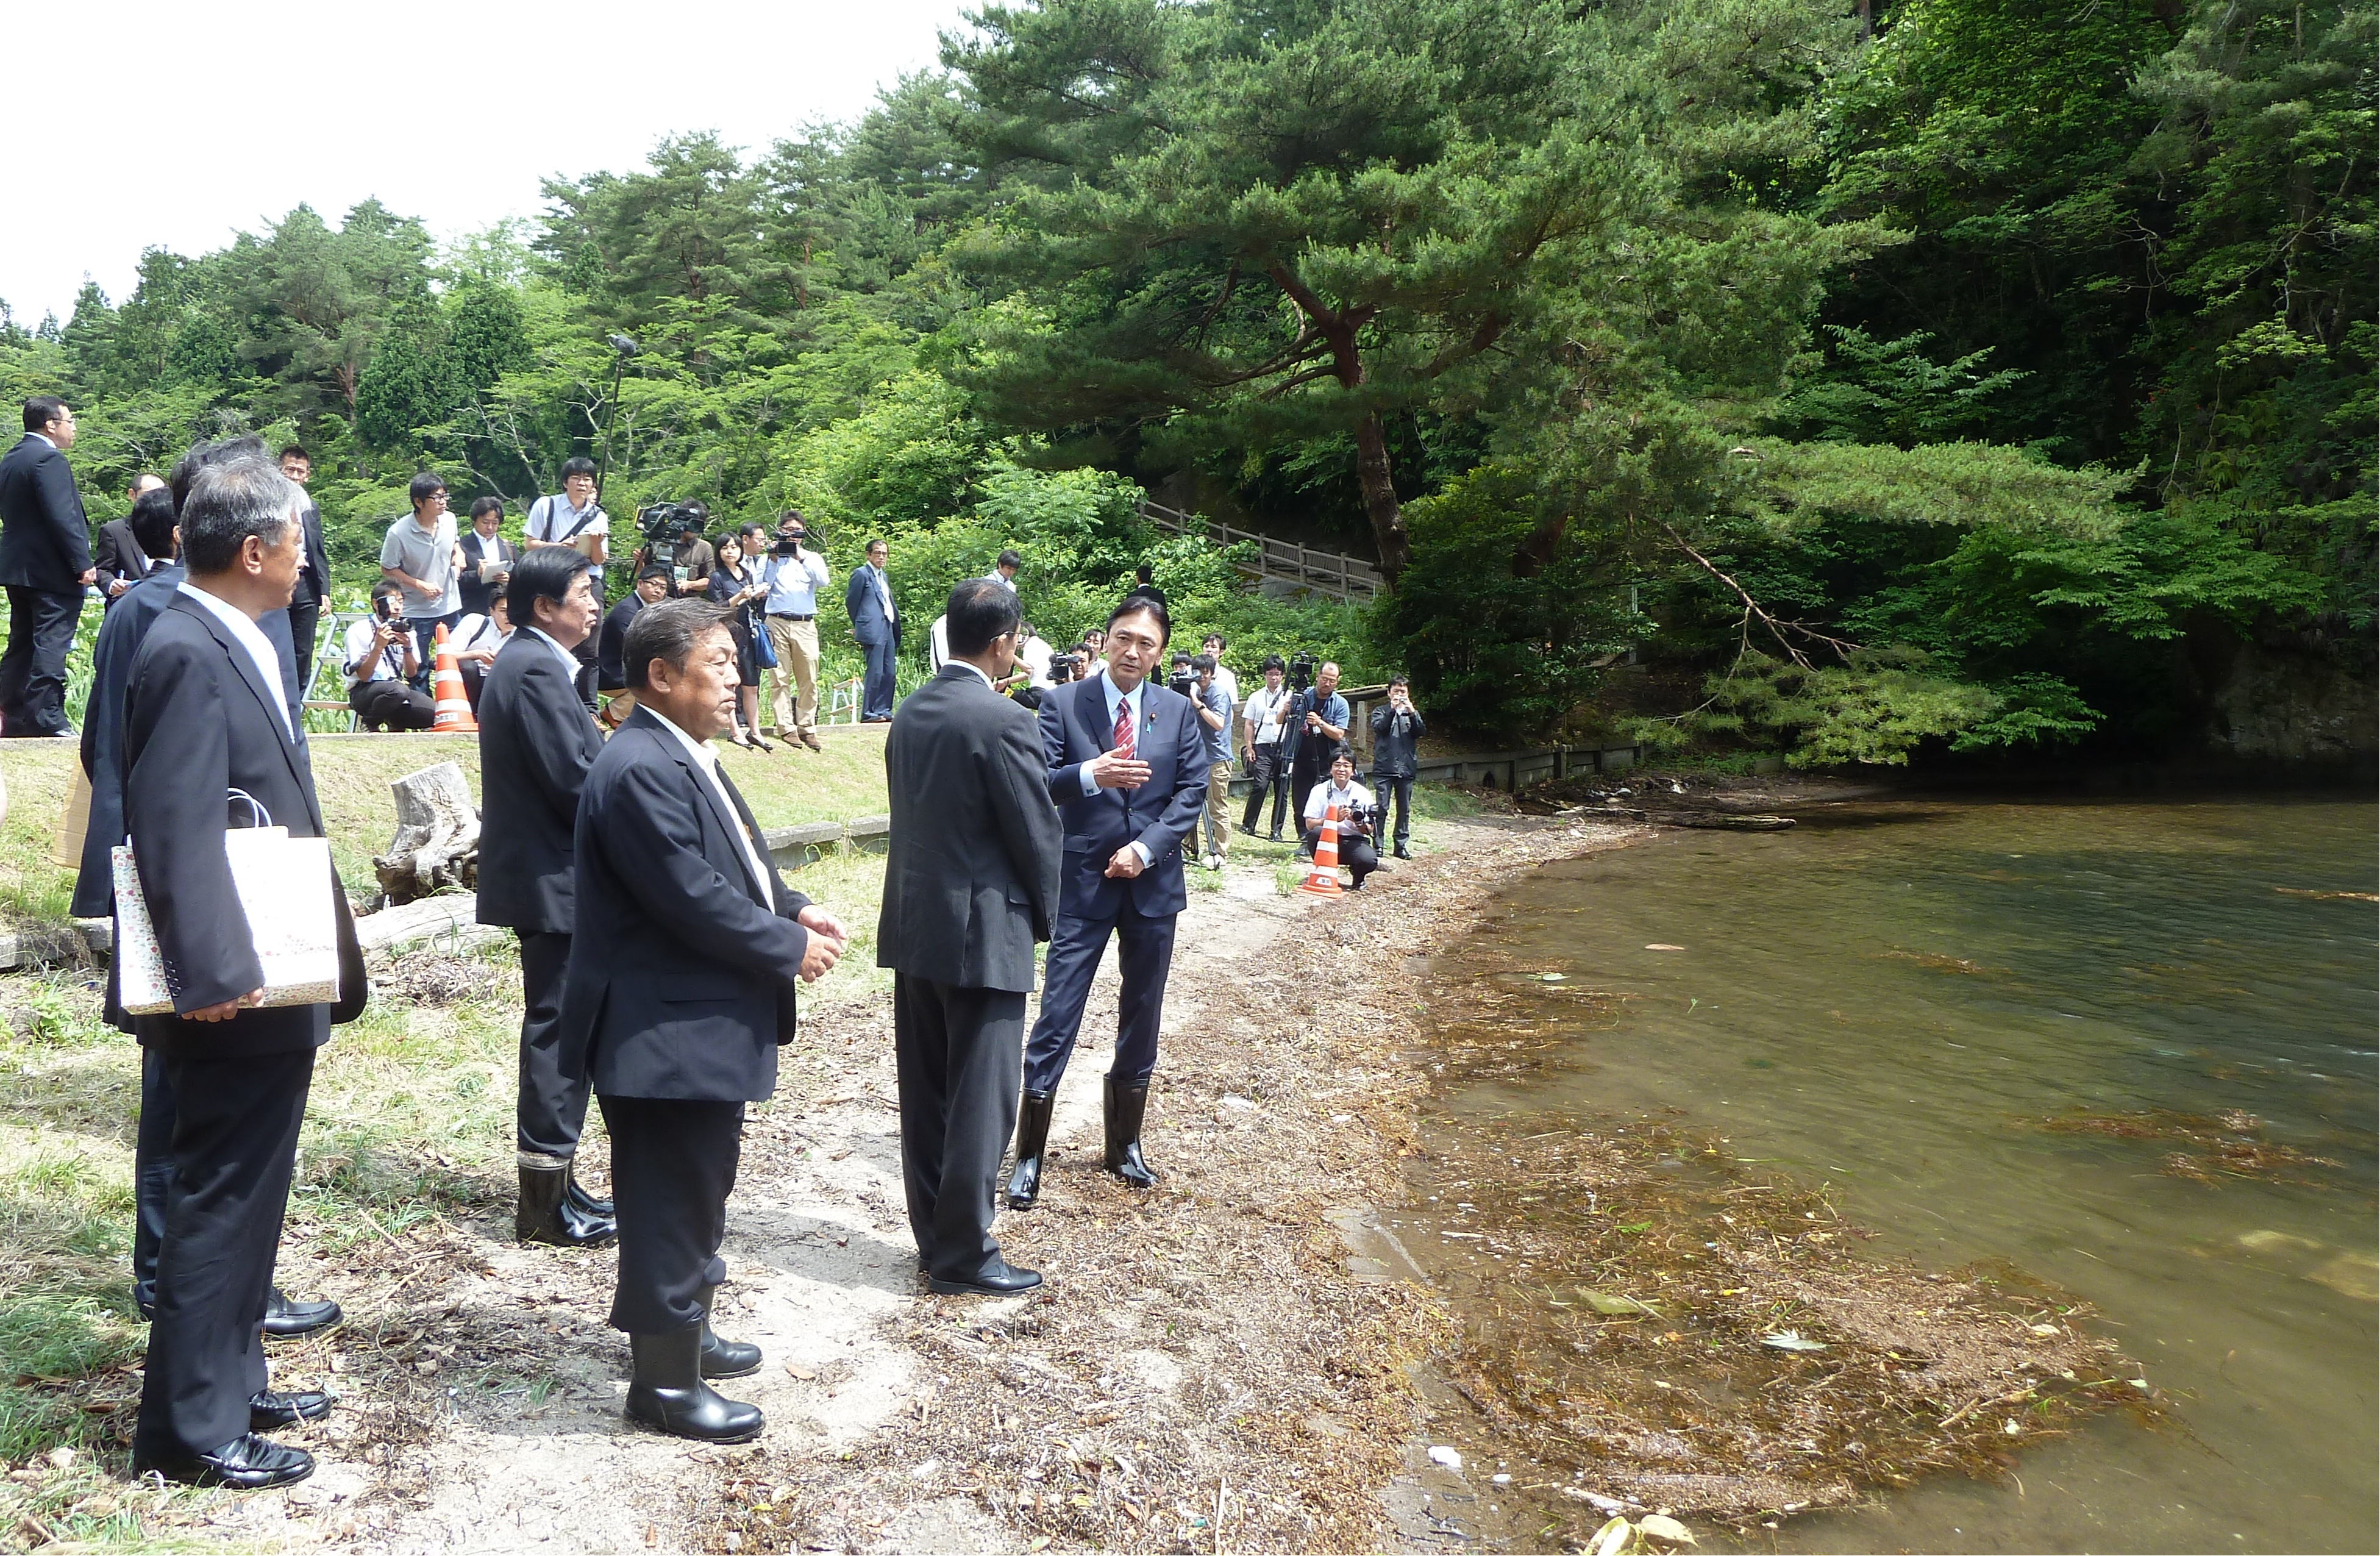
column 1210, row 1365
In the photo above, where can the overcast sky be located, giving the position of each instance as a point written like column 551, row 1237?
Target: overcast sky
column 180, row 125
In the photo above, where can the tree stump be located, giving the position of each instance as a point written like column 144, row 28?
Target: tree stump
column 437, row 842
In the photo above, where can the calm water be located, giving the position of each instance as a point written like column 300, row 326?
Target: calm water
column 2117, row 958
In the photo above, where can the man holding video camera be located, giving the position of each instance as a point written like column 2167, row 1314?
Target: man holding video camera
column 1358, row 815
column 1318, row 724
column 1194, row 677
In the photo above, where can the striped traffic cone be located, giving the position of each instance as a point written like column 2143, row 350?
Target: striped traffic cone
column 447, row 686
column 1323, row 878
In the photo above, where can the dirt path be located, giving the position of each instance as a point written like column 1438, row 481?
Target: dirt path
column 1201, row 1360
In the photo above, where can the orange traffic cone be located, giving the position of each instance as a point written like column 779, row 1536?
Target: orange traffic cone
column 1323, row 879
column 447, row 686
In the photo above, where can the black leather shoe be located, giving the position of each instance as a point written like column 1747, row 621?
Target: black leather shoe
column 724, row 1359
column 1032, row 1138
column 1402, row 852
column 545, row 1213
column 271, row 1411
column 245, row 1464
column 998, row 1278
column 287, row 1319
column 1127, row 1105
column 668, row 1394
column 587, row 1204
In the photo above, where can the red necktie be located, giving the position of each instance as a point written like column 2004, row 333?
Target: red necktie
column 1123, row 730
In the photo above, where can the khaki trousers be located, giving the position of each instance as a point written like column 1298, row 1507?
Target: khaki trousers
column 796, row 643
column 1219, row 807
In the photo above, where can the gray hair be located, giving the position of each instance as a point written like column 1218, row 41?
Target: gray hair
column 229, row 501
column 668, row 630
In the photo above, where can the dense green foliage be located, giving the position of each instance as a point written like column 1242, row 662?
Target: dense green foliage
column 1950, row 374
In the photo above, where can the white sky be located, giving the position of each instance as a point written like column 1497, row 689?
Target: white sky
column 179, row 125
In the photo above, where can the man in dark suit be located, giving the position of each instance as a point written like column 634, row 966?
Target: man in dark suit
column 683, row 966
column 971, row 886
column 611, row 642
column 121, row 560
column 876, row 627
column 207, row 715
column 313, row 587
column 112, row 659
column 45, row 564
column 488, row 557
column 536, row 743
column 1127, row 768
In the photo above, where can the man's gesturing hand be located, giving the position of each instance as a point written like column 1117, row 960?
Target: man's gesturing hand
column 226, row 1009
column 828, row 941
column 1125, row 864
column 1110, row 771
column 820, row 921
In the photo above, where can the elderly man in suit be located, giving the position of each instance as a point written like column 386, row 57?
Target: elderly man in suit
column 112, row 659
column 1127, row 768
column 537, row 742
column 45, row 564
column 971, row 885
column 680, row 987
column 207, row 719
column 876, row 627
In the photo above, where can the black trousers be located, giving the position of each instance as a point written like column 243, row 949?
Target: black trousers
column 33, row 670
column 303, row 617
column 960, row 1052
column 673, row 1167
column 386, row 705
column 235, row 1146
column 1144, row 957
column 553, row 1110
column 1267, row 774
column 1399, row 793
column 152, row 1173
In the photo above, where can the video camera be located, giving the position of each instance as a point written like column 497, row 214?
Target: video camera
column 664, row 524
column 1301, row 671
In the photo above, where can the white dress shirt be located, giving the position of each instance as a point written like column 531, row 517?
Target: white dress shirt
column 1115, row 698
column 569, row 661
column 1326, row 793
column 250, row 636
column 705, row 760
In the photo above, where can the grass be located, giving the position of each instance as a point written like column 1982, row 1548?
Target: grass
column 352, row 773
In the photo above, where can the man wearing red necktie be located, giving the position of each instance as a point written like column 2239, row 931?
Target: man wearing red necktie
column 1129, row 774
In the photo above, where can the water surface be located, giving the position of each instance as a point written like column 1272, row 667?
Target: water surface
column 1894, row 997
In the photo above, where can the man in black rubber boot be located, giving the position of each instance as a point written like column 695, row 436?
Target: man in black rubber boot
column 682, row 966
column 971, row 885
column 536, row 743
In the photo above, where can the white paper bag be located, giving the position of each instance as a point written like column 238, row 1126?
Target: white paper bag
column 285, row 887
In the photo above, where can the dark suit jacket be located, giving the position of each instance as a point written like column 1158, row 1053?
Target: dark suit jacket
column 112, row 658
column 476, row 591
column 536, row 743
column 199, row 721
column 45, row 540
column 682, row 968
column 972, row 883
column 120, row 555
column 314, row 582
column 611, row 643
column 868, row 623
column 1075, row 729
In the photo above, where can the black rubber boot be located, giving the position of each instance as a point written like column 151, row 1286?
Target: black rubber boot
column 546, row 1215
column 1032, row 1138
column 577, row 1194
column 724, row 1359
column 667, row 1394
column 1128, row 1104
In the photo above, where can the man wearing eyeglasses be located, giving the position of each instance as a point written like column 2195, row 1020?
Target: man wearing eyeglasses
column 421, row 558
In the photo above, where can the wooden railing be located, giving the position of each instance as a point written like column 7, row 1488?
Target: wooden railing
column 1329, row 572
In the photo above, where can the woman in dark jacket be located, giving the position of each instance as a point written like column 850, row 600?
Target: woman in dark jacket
column 737, row 586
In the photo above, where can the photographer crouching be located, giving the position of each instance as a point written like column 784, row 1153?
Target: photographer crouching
column 1358, row 816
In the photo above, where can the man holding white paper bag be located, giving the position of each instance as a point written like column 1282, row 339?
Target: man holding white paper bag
column 205, row 720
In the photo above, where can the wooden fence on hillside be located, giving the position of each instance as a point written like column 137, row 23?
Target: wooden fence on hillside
column 1326, row 572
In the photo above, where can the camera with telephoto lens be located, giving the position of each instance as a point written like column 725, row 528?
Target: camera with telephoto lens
column 1301, row 671
column 1183, row 682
